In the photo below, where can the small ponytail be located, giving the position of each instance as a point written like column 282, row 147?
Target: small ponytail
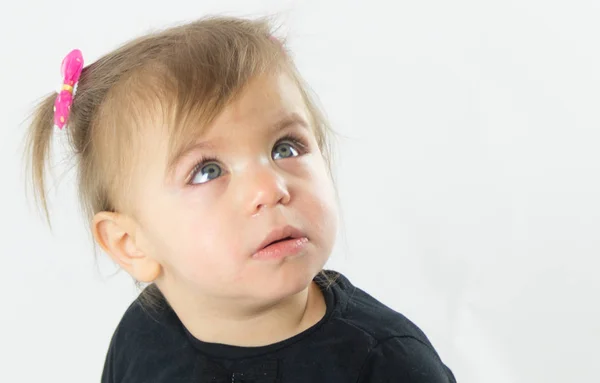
column 52, row 111
column 37, row 150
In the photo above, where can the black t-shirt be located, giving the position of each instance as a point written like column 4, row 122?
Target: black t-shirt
column 358, row 340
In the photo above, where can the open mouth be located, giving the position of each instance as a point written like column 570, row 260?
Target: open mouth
column 281, row 242
column 281, row 234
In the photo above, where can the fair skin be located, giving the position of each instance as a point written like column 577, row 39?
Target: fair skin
column 195, row 232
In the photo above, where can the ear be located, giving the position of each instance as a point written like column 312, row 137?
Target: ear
column 115, row 233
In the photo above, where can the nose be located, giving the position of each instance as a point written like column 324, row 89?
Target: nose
column 264, row 187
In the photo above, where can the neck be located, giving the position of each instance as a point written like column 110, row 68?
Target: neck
column 215, row 323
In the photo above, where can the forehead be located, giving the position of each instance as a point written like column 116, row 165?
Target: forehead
column 265, row 101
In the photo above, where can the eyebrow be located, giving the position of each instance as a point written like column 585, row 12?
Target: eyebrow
column 182, row 152
column 282, row 124
column 289, row 120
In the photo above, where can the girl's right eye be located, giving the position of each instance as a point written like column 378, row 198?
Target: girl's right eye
column 204, row 172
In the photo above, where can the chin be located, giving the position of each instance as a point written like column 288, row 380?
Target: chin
column 291, row 277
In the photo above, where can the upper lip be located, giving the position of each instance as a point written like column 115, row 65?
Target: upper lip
column 279, row 234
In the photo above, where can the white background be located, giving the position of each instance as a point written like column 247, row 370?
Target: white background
column 468, row 169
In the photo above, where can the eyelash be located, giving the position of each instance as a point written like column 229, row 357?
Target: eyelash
column 291, row 137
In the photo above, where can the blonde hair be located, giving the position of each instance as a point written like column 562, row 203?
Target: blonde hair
column 189, row 72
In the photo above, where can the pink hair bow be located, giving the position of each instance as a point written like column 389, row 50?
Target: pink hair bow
column 71, row 68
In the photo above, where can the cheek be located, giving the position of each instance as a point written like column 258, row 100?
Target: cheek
column 320, row 209
column 196, row 239
column 174, row 228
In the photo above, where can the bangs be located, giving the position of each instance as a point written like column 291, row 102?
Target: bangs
column 205, row 74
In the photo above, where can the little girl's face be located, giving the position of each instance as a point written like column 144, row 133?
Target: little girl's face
column 256, row 170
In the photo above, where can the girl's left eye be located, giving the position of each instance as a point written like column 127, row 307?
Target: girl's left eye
column 284, row 150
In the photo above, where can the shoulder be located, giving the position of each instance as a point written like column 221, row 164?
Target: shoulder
column 144, row 336
column 361, row 310
column 398, row 349
column 404, row 359
column 143, row 324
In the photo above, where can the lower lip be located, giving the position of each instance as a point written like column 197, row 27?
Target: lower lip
column 282, row 249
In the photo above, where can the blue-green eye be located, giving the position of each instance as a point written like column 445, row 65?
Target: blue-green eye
column 205, row 173
column 284, row 150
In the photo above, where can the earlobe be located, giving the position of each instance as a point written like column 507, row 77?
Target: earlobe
column 146, row 270
column 115, row 234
